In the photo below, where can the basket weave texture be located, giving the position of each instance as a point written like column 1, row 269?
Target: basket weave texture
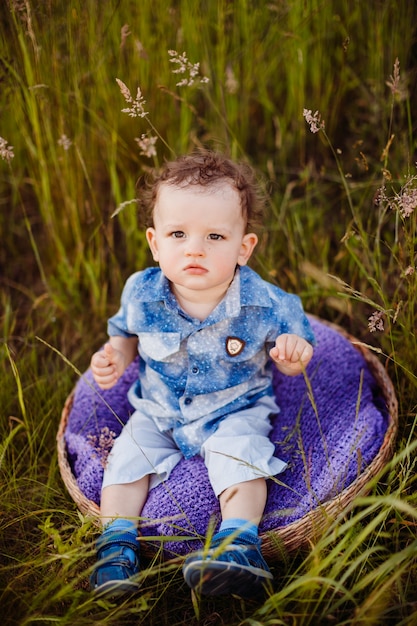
column 337, row 431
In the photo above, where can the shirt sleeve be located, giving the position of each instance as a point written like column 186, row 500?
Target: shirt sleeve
column 117, row 325
column 295, row 321
column 288, row 315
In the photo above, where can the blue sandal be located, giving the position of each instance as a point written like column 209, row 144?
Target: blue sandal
column 237, row 567
column 117, row 562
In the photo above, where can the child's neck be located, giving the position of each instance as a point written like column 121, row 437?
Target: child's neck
column 197, row 304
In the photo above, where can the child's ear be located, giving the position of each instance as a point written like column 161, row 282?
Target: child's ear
column 248, row 244
column 151, row 239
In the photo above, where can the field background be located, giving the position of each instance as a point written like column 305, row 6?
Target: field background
column 340, row 230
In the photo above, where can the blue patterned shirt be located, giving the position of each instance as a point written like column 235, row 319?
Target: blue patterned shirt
column 193, row 373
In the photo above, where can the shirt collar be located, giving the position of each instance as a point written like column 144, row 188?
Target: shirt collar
column 254, row 291
column 246, row 289
column 153, row 287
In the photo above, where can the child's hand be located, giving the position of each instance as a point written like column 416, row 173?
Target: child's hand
column 107, row 366
column 291, row 354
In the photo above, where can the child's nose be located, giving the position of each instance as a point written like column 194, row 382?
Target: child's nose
column 195, row 247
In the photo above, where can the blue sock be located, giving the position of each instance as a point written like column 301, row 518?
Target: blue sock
column 122, row 525
column 235, row 523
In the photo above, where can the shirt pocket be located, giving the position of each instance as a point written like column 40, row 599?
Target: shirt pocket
column 159, row 346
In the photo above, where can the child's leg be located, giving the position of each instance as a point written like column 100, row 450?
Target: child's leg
column 234, row 562
column 245, row 501
column 118, row 546
column 123, row 501
column 141, row 458
column 238, row 456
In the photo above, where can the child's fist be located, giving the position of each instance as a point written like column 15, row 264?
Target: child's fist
column 106, row 365
column 291, row 354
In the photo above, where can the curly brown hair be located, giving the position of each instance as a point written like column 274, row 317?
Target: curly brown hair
column 204, row 168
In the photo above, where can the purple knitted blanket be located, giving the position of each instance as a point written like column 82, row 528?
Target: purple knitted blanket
column 320, row 432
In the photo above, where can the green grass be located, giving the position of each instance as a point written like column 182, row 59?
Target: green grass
column 328, row 236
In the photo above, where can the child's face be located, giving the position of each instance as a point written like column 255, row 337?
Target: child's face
column 199, row 237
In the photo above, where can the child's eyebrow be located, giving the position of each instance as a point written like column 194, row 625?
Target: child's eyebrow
column 174, row 226
column 209, row 229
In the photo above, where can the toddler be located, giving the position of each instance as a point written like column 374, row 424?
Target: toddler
column 208, row 331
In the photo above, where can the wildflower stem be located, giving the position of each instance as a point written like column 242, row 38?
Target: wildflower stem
column 158, row 134
column 343, row 179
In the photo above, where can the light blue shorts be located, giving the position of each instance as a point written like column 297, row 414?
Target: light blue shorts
column 238, row 451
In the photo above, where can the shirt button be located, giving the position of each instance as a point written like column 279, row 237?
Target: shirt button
column 195, row 369
column 188, row 400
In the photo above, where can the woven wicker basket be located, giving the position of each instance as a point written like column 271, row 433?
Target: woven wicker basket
column 311, row 525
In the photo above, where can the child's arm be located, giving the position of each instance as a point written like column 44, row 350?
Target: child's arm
column 291, row 354
column 108, row 364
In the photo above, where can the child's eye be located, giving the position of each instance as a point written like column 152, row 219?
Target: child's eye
column 215, row 237
column 177, row 234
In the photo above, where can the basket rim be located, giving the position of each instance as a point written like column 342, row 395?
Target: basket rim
column 85, row 505
column 301, row 531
